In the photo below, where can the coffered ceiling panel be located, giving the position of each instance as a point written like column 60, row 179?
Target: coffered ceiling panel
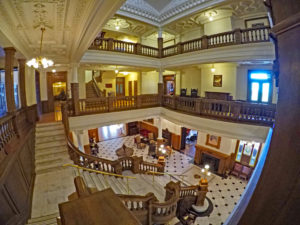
column 70, row 25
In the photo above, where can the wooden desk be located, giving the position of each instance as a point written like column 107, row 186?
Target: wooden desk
column 103, row 207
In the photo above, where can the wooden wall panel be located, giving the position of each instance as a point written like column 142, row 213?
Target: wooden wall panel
column 149, row 127
column 176, row 141
column 7, row 209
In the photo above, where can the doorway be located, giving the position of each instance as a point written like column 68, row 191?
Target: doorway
column 120, row 86
column 189, row 137
column 56, row 90
column 169, row 85
column 260, row 86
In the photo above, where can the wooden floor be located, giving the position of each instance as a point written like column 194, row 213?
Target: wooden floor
column 53, row 116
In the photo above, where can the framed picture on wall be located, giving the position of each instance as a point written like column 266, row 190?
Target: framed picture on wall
column 257, row 22
column 217, row 82
column 108, row 85
column 213, row 141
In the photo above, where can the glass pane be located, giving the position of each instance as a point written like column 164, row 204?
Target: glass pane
column 121, row 88
column 16, row 88
column 260, row 76
column 265, row 92
column 240, row 151
column 2, row 93
column 254, row 91
column 254, row 154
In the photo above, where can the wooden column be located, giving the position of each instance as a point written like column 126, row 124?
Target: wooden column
column 276, row 199
column 160, row 42
column 22, row 82
column 9, row 78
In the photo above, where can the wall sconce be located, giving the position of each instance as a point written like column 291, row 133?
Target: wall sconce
column 213, row 69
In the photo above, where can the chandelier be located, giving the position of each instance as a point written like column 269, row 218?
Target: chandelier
column 40, row 61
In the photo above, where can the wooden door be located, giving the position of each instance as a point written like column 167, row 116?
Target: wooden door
column 53, row 78
column 135, row 89
column 120, row 86
column 130, row 88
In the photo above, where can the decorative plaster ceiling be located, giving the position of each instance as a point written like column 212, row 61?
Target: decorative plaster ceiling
column 161, row 12
column 128, row 26
column 71, row 25
column 243, row 8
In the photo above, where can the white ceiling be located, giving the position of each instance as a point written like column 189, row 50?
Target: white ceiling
column 71, row 25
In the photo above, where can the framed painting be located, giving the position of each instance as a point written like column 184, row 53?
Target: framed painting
column 257, row 22
column 217, row 82
column 108, row 85
column 213, row 141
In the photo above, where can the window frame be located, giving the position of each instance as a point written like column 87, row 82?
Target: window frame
column 270, row 81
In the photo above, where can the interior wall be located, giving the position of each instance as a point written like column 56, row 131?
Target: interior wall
column 227, row 145
column 242, row 81
column 228, row 72
column 43, row 86
column 192, row 34
column 191, row 78
column 218, row 26
column 166, row 124
column 149, row 82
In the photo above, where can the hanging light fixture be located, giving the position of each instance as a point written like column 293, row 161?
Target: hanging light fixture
column 40, row 61
column 116, row 70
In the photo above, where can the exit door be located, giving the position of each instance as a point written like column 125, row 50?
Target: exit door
column 120, row 86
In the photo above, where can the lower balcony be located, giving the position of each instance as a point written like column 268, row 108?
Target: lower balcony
column 231, row 111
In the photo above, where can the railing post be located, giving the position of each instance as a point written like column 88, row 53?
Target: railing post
column 139, row 101
column 138, row 49
column 136, row 164
column 110, row 44
column 110, row 104
column 179, row 48
column 236, row 110
column 238, row 36
column 198, row 105
column 204, row 42
column 174, row 101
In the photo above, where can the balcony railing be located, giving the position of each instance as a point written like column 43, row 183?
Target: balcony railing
column 235, row 111
column 238, row 36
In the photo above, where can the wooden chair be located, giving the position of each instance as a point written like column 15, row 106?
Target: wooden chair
column 236, row 170
column 245, row 173
column 139, row 143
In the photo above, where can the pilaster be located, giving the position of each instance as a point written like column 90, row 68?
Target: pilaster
column 22, row 82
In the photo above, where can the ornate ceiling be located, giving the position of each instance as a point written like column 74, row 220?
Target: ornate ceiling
column 71, row 25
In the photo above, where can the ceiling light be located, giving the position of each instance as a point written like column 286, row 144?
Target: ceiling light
column 117, row 27
column 213, row 68
column 116, row 71
column 53, row 71
column 211, row 18
column 210, row 15
column 125, row 73
column 40, row 61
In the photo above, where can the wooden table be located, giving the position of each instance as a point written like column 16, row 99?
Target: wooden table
column 101, row 208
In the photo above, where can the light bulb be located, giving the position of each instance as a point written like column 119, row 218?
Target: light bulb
column 202, row 170
column 161, row 146
column 53, row 71
column 213, row 69
column 36, row 65
column 116, row 71
column 117, row 27
column 211, row 18
column 163, row 151
column 208, row 173
column 50, row 62
column 206, row 166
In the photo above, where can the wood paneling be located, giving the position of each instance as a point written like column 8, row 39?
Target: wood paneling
column 176, row 141
column 224, row 159
column 149, row 127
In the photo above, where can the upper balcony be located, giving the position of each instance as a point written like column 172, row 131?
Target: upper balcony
column 237, row 45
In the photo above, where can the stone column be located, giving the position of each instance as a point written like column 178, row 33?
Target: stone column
column 22, row 83
column 79, row 135
column 9, row 79
column 159, row 135
column 75, row 88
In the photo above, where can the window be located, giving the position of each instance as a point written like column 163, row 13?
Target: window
column 2, row 93
column 260, row 86
column 247, row 152
column 16, row 87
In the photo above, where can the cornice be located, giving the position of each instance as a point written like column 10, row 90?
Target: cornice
column 142, row 11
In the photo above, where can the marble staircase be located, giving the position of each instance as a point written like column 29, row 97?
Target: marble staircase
column 142, row 185
column 51, row 147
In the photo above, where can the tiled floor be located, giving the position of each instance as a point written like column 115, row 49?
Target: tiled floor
column 224, row 193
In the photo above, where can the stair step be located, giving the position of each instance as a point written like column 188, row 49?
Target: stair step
column 50, row 138
column 44, row 220
column 112, row 182
column 88, row 179
column 48, row 152
column 49, row 128
column 48, row 124
column 52, row 159
column 55, row 166
column 97, row 182
column 103, row 181
column 49, row 133
column 53, row 144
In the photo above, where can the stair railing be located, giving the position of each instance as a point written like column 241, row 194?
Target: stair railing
column 103, row 173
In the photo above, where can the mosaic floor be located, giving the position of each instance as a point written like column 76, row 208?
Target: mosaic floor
column 224, row 193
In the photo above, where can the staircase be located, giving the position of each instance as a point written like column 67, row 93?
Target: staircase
column 142, row 185
column 90, row 90
column 51, row 147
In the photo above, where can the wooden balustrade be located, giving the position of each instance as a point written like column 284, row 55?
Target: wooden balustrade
column 188, row 191
column 7, row 132
column 217, row 109
column 238, row 36
column 147, row 166
column 149, row 51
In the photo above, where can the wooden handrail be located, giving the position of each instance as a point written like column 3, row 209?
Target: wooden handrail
column 97, row 171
